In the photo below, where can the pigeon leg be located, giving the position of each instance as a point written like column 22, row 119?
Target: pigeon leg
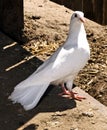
column 69, row 94
column 65, row 91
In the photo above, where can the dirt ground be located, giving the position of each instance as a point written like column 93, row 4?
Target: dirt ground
column 46, row 28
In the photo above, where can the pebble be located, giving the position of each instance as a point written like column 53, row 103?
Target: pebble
column 59, row 114
column 88, row 114
column 54, row 123
column 92, row 122
column 74, row 129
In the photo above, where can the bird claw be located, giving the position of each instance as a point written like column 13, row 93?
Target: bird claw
column 72, row 95
column 79, row 98
column 69, row 94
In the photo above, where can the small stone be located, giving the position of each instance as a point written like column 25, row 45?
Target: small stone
column 92, row 122
column 74, row 129
column 88, row 114
column 58, row 113
column 99, row 96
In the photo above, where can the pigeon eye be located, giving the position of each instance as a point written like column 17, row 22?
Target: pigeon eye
column 75, row 15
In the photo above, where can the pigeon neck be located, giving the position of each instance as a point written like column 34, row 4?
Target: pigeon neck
column 76, row 33
column 76, row 30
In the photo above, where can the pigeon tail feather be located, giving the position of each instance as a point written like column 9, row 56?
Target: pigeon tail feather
column 28, row 96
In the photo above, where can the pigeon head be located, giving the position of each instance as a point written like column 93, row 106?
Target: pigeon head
column 76, row 24
column 78, row 16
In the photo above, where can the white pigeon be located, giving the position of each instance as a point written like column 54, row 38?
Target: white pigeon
column 61, row 68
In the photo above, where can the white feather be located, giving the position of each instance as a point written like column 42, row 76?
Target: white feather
column 28, row 96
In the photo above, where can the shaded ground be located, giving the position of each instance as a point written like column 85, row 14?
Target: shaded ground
column 46, row 26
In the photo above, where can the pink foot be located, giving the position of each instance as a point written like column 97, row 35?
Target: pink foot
column 76, row 96
column 71, row 95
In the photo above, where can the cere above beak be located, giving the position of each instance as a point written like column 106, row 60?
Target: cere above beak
column 82, row 19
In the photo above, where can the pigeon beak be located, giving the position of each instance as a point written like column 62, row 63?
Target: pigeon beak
column 82, row 19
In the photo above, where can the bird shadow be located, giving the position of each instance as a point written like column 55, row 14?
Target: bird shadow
column 17, row 64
